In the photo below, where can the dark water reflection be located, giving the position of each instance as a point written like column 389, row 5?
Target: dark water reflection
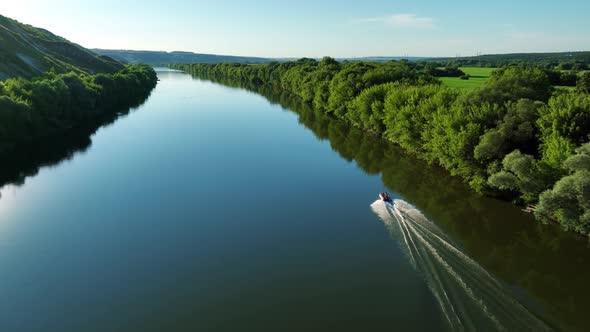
column 26, row 160
column 541, row 260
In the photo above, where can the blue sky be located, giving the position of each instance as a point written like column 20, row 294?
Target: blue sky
column 315, row 28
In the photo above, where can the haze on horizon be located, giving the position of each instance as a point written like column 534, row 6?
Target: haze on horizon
column 313, row 29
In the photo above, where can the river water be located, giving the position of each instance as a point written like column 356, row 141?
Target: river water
column 217, row 208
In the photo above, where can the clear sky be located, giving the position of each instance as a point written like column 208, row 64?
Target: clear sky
column 315, row 28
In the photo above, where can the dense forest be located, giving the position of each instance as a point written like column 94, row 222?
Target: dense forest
column 53, row 103
column 516, row 137
column 560, row 60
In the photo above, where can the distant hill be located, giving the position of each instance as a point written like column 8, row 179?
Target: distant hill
column 27, row 51
column 500, row 59
column 160, row 58
column 383, row 58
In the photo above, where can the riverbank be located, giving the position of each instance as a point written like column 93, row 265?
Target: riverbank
column 502, row 238
column 506, row 139
column 52, row 105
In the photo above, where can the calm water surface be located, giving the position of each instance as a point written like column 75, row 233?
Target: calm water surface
column 209, row 208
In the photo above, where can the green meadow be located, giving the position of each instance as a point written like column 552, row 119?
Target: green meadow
column 478, row 75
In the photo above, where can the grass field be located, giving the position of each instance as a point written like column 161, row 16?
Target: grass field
column 478, row 76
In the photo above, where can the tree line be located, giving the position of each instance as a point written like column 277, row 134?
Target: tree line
column 516, row 137
column 559, row 61
column 50, row 104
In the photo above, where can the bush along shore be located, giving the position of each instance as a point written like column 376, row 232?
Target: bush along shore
column 50, row 105
column 516, row 137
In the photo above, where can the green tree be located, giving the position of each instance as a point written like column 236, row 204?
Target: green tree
column 516, row 130
column 409, row 112
column 514, row 83
column 366, row 110
column 346, row 85
column 583, row 82
column 520, row 173
column 563, row 124
column 568, row 202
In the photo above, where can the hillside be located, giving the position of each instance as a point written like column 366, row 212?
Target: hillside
column 27, row 51
column 159, row 58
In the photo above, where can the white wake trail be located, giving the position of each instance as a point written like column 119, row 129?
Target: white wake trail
column 470, row 298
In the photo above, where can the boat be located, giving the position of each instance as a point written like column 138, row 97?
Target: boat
column 384, row 196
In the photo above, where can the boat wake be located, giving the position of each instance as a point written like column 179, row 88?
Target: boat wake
column 470, row 298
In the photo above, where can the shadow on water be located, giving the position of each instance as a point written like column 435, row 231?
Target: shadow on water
column 547, row 269
column 27, row 159
column 470, row 298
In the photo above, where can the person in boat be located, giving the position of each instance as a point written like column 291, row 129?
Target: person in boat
column 385, row 196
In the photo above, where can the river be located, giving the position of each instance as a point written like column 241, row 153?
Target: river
column 218, row 208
